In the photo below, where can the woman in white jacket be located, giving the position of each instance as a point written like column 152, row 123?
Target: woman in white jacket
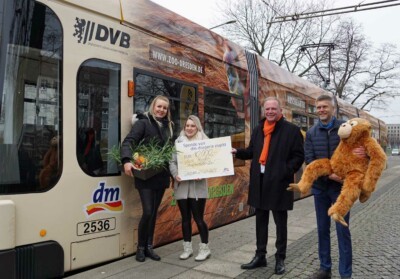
column 191, row 196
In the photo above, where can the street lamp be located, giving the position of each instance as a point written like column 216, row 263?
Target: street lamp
column 225, row 23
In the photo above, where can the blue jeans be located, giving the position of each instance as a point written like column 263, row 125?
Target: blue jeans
column 323, row 199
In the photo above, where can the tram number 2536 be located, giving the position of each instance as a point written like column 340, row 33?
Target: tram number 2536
column 96, row 226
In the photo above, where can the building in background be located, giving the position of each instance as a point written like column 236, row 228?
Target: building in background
column 394, row 135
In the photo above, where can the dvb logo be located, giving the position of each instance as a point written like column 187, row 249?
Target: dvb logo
column 86, row 31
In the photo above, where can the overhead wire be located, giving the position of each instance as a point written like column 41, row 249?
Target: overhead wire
column 337, row 11
column 303, row 48
column 278, row 13
column 330, row 12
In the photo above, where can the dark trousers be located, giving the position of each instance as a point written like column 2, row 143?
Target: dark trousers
column 188, row 207
column 262, row 220
column 151, row 200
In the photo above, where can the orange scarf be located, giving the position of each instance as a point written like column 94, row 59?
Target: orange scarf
column 268, row 129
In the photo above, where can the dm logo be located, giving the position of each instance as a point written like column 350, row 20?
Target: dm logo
column 86, row 31
column 105, row 200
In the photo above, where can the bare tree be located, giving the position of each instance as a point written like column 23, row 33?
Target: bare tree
column 251, row 29
column 382, row 82
column 364, row 76
column 348, row 58
column 278, row 42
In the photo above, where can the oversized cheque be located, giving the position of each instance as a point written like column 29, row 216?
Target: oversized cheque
column 205, row 158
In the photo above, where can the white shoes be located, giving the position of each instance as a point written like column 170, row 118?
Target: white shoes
column 204, row 252
column 187, row 250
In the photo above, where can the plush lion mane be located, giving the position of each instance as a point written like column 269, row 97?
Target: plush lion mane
column 359, row 175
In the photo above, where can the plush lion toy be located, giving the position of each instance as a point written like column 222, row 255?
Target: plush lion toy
column 360, row 175
column 51, row 164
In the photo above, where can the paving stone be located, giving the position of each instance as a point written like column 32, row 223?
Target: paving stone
column 374, row 228
column 374, row 225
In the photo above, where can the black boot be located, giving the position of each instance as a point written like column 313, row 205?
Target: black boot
column 140, row 254
column 279, row 267
column 257, row 261
column 151, row 254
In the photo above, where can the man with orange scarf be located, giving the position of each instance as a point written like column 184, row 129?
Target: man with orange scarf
column 276, row 147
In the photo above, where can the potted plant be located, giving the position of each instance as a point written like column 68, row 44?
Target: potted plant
column 148, row 159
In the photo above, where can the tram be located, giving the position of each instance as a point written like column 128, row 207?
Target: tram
column 72, row 73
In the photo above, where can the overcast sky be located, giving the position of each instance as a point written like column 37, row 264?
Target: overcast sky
column 380, row 26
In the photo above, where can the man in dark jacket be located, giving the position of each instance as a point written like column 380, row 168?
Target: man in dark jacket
column 276, row 147
column 321, row 141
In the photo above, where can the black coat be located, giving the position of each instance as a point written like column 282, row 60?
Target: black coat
column 285, row 157
column 145, row 129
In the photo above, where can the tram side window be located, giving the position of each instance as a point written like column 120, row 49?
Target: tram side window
column 224, row 116
column 301, row 121
column 98, row 114
column 312, row 121
column 31, row 51
column 182, row 97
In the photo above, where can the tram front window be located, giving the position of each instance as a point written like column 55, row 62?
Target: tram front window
column 30, row 97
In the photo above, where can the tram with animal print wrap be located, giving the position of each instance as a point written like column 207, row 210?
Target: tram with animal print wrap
column 76, row 71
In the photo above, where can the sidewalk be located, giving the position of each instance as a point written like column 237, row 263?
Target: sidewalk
column 374, row 227
column 375, row 233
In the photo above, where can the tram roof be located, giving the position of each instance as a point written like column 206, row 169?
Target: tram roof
column 153, row 18
column 110, row 8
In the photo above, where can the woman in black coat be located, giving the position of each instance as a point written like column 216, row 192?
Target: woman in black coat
column 154, row 124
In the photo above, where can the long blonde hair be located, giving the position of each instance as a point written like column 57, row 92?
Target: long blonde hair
column 200, row 132
column 151, row 111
